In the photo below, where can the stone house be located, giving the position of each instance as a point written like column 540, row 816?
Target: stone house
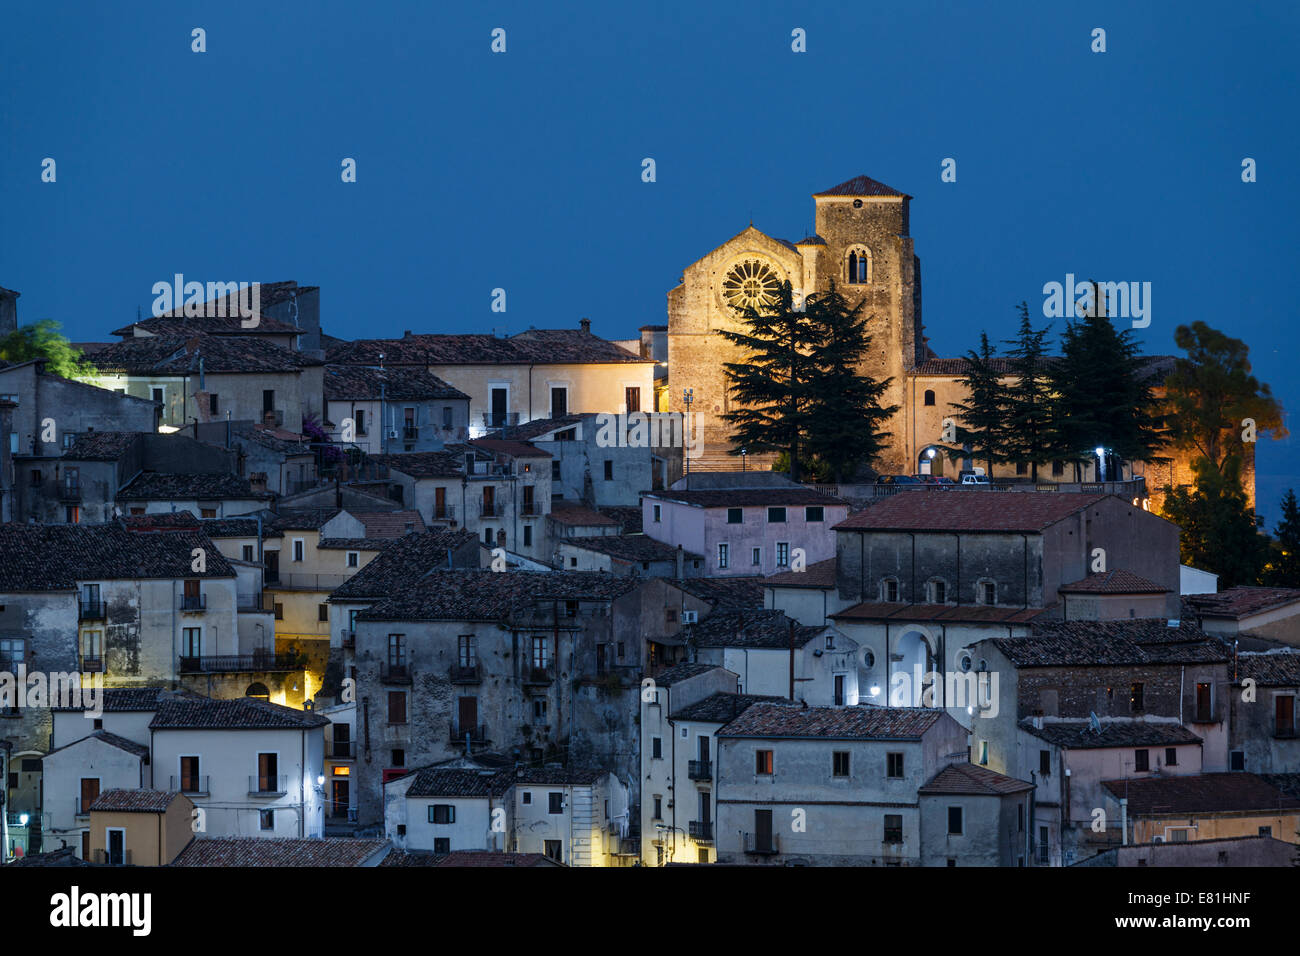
column 212, row 378
column 138, row 827
column 402, row 409
column 748, row 524
column 463, row 661
column 54, row 411
column 1250, row 615
column 973, row 816
column 75, row 775
column 1208, row 806
column 827, row 786
column 279, row 460
column 1262, row 723
column 254, row 768
column 1069, row 759
column 635, row 555
column 540, row 373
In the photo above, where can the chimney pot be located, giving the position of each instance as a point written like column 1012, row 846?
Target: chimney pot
column 585, row 325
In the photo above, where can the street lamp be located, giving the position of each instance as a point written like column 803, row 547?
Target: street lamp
column 688, row 396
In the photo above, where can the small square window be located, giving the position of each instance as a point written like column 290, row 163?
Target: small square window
column 527, row 798
column 814, row 513
column 266, row 818
column 763, row 762
column 1171, row 756
column 776, row 515
column 735, row 516
column 354, row 559
column 1141, row 760
column 442, row 813
column 840, row 763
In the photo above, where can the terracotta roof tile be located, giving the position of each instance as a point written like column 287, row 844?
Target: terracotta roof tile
column 1236, row 603
column 240, row 713
column 958, row 510
column 403, row 383
column 1115, row 581
column 819, row 574
column 860, row 186
column 837, row 723
column 968, row 779
column 1201, row 793
column 1114, row 732
column 278, row 851
column 134, row 801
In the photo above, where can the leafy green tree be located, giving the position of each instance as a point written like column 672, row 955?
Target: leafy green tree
column 844, row 416
column 771, row 387
column 44, row 341
column 1283, row 569
column 1104, row 393
column 984, row 413
column 1030, row 429
column 1210, row 395
column 1217, row 526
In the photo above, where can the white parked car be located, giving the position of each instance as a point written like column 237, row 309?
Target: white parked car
column 970, row 479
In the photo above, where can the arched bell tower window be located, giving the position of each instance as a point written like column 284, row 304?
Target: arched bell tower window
column 929, row 396
column 859, row 266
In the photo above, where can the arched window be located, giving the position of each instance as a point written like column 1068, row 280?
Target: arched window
column 859, row 266
column 258, row 692
column 929, row 396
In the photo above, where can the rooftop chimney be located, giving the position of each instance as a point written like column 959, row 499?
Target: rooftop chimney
column 585, row 325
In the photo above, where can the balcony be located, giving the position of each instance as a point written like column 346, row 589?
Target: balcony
column 762, row 844
column 91, row 611
column 268, row 785
column 539, row 674
column 700, row 770
column 466, row 673
column 83, row 806
column 303, row 581
column 500, row 419
column 491, row 509
column 701, row 831
column 257, row 662
column 92, row 665
column 1284, row 733
column 410, row 432
column 104, row 858
column 70, row 492
column 477, row 734
column 394, row 674
column 194, row 602
column 445, row 513
column 191, row 786
column 530, row 509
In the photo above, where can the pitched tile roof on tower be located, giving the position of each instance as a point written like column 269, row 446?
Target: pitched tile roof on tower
column 861, row 186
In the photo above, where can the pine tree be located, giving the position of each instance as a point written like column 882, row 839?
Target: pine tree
column 844, row 415
column 984, row 414
column 771, row 387
column 1283, row 570
column 1103, row 393
column 1029, row 435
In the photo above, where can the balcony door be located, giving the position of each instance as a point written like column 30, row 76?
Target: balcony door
column 89, row 793
column 762, row 829
column 499, row 407
column 467, row 716
column 116, row 841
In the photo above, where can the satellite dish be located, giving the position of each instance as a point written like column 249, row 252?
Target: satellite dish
column 1094, row 722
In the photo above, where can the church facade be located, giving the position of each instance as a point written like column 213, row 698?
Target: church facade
column 863, row 243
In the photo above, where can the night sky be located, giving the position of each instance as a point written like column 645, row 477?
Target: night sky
column 523, row 170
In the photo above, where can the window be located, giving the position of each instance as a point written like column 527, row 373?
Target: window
column 559, row 402
column 1141, row 760
column 361, row 421
column 859, row 266
column 893, row 828
column 735, row 516
column 268, row 780
column 1171, row 756
column 658, row 512
column 322, row 612
column 72, row 514
column 988, row 592
column 442, row 813
column 248, row 552
column 889, row 590
column 555, row 802
column 783, row 554
column 442, row 845
column 894, row 766
column 1058, row 469
column 397, row 706
column 354, row 559
column 814, row 513
column 554, row 849
column 1022, row 468
column 954, row 821
column 1135, row 698
column 191, row 782
column 268, row 400
column 266, row 819
column 763, row 762
column 632, row 399
column 212, row 404
column 1266, row 831
column 984, row 752
column 1020, row 818
column 776, row 515
column 1237, row 760
column 396, row 650
column 298, row 549
column 938, row 592
column 528, row 797
column 279, row 611
column 658, row 807
column 446, row 416
column 1204, row 699
column 1045, row 762
column 929, row 396
column 528, row 536
column 1284, row 714
column 840, row 763
column 539, row 710
column 756, row 557
column 555, row 469
column 723, row 555
column 399, row 757
column 609, row 470
column 657, row 748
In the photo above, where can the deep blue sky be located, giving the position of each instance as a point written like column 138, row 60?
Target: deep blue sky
column 522, row 170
